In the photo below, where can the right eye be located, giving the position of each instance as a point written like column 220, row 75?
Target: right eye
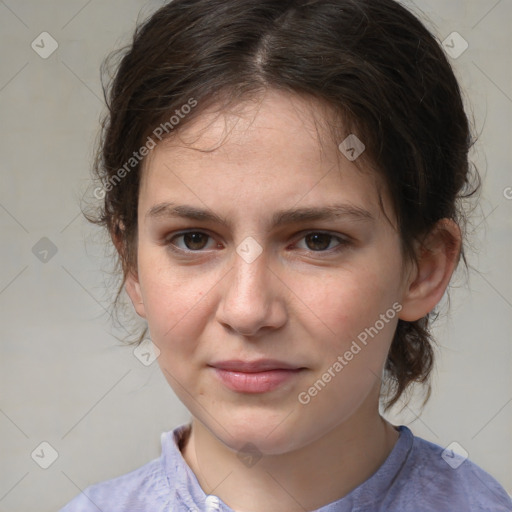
column 191, row 241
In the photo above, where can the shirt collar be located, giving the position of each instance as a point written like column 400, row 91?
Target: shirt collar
column 189, row 494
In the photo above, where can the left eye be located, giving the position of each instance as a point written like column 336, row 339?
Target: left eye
column 320, row 242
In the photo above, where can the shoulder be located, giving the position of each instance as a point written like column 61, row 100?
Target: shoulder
column 439, row 479
column 146, row 488
column 157, row 486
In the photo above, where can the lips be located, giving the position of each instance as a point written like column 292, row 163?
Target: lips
column 260, row 365
column 259, row 376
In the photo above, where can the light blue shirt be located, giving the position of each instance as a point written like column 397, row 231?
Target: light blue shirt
column 413, row 478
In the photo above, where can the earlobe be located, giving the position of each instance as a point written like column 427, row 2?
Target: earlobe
column 133, row 290
column 437, row 259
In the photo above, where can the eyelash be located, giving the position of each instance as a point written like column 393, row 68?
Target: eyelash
column 343, row 242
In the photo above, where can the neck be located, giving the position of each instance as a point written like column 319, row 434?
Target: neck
column 305, row 479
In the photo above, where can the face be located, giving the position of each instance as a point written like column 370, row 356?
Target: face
column 270, row 278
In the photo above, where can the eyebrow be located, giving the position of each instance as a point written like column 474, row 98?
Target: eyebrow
column 292, row 216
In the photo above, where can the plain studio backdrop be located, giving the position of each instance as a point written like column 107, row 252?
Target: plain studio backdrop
column 65, row 380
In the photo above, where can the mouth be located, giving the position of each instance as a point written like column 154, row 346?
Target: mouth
column 259, row 376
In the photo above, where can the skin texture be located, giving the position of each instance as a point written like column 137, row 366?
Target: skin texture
column 299, row 301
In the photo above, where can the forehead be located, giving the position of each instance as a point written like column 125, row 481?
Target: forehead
column 263, row 122
column 273, row 151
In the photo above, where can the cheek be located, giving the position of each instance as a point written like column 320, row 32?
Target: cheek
column 362, row 313
column 174, row 305
column 351, row 302
column 176, row 316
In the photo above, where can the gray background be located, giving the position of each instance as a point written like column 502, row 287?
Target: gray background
column 64, row 377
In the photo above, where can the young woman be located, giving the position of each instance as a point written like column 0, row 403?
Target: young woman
column 282, row 180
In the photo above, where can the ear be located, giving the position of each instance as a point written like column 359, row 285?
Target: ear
column 132, row 285
column 133, row 290
column 437, row 255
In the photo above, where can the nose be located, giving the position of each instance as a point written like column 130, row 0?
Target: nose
column 253, row 298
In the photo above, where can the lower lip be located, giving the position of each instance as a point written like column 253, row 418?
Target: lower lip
column 257, row 382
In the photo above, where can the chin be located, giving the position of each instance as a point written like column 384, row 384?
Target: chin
column 265, row 433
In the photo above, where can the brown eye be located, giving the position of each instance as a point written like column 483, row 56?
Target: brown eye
column 195, row 241
column 318, row 241
column 192, row 241
column 321, row 242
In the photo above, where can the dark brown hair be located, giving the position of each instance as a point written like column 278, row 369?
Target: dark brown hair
column 372, row 62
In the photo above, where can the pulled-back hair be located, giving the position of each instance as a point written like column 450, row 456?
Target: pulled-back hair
column 381, row 73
